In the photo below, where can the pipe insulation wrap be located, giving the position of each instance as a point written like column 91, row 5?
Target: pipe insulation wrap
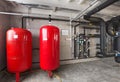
column 100, row 7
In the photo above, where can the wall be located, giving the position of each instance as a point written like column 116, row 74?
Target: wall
column 16, row 21
column 93, row 41
column 4, row 25
column 66, row 45
column 34, row 25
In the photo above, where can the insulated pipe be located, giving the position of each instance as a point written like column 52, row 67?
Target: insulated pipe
column 102, row 32
column 81, row 13
column 109, row 29
column 113, row 26
column 102, row 6
column 113, row 29
column 75, row 54
column 87, row 24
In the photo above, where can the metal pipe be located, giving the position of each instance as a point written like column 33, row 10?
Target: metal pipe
column 53, row 19
column 102, row 32
column 81, row 13
column 109, row 29
column 102, row 6
column 87, row 24
column 113, row 29
column 16, row 14
column 96, row 8
column 34, row 16
column 112, row 25
column 23, row 23
column 71, row 36
column 74, row 42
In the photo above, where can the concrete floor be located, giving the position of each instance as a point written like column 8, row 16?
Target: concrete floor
column 103, row 70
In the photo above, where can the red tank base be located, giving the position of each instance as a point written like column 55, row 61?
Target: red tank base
column 50, row 74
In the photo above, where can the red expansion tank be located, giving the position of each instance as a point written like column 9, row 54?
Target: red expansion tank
column 49, row 47
column 19, row 51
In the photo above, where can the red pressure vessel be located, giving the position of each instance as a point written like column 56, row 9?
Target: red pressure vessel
column 19, row 51
column 49, row 47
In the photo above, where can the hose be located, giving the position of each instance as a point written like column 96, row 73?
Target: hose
column 57, row 76
column 54, row 74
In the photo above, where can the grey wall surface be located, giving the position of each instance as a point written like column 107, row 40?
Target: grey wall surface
column 16, row 21
column 34, row 25
column 65, row 42
column 4, row 25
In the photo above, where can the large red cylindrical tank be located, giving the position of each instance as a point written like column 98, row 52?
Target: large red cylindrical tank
column 19, row 50
column 49, row 47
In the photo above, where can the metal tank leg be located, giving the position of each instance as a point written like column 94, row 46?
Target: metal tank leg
column 50, row 74
column 17, row 77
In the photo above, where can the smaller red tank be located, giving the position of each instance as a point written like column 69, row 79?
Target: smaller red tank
column 49, row 48
column 19, row 50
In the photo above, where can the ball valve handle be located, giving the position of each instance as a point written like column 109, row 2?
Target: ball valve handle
column 49, row 18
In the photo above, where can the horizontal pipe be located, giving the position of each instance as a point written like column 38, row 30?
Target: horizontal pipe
column 43, row 18
column 34, row 16
column 53, row 19
column 87, row 24
column 91, row 27
column 15, row 14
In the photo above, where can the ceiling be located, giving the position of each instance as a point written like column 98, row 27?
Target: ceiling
column 67, row 8
column 110, row 11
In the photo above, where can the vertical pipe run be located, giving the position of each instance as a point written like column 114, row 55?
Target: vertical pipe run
column 22, row 22
column 74, row 43
column 102, row 32
column 103, row 38
column 71, row 36
column 114, row 26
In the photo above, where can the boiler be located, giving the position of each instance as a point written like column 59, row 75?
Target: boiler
column 49, row 48
column 19, row 50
